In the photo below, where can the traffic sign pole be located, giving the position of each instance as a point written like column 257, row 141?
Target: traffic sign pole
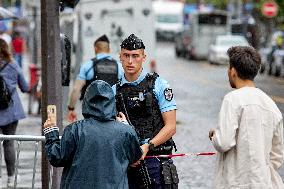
column 269, row 9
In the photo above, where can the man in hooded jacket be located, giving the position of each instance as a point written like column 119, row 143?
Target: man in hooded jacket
column 96, row 151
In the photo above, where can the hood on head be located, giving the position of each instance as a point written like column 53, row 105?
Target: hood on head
column 99, row 101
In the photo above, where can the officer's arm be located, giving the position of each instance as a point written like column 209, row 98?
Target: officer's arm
column 168, row 130
column 80, row 82
column 76, row 91
column 165, row 133
column 167, row 106
column 71, row 115
column 168, row 109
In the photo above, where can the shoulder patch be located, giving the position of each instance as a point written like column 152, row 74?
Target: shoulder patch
column 168, row 92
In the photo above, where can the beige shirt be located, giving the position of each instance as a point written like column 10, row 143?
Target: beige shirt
column 249, row 139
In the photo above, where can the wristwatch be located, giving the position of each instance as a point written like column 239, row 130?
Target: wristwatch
column 151, row 145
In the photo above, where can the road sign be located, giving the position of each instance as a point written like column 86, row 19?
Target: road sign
column 269, row 9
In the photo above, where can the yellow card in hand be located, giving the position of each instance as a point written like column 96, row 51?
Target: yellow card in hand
column 51, row 112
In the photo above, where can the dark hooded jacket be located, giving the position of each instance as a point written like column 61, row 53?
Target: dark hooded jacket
column 95, row 152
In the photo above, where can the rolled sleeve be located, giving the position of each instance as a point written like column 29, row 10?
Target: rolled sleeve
column 164, row 104
column 225, row 135
column 276, row 154
column 86, row 72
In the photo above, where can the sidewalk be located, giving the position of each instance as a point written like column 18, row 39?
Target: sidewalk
column 31, row 125
column 28, row 126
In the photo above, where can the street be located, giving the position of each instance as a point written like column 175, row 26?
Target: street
column 198, row 89
column 58, row 35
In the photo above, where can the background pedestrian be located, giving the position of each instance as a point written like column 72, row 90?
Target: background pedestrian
column 10, row 116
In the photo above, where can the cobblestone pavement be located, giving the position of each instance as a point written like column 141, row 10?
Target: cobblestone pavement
column 198, row 88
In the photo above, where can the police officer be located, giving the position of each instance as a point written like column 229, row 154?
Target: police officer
column 149, row 104
column 102, row 67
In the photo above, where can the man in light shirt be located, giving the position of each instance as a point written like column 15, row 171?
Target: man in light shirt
column 249, row 136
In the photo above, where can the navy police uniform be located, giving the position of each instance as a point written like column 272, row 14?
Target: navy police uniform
column 143, row 101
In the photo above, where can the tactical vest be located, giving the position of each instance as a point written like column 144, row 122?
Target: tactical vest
column 104, row 69
column 141, row 106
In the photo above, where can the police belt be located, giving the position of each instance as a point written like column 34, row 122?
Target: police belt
column 165, row 148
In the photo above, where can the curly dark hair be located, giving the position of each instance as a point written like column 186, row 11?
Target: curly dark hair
column 246, row 60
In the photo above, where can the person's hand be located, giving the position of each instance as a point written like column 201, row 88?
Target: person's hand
column 145, row 149
column 211, row 134
column 121, row 117
column 71, row 116
column 136, row 164
column 49, row 122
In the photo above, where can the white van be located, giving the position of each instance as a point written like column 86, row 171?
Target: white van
column 204, row 28
column 168, row 18
column 117, row 19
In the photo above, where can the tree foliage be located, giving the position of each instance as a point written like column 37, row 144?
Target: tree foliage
column 222, row 4
column 278, row 20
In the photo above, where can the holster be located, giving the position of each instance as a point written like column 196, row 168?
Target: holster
column 170, row 175
column 165, row 148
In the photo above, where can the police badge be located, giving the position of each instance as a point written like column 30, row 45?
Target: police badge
column 168, row 92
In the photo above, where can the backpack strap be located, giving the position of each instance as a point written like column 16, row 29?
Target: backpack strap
column 151, row 78
column 2, row 68
column 95, row 61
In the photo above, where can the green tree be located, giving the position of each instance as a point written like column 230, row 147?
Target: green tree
column 278, row 21
column 221, row 4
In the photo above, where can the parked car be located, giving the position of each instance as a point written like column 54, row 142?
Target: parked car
column 204, row 27
column 218, row 50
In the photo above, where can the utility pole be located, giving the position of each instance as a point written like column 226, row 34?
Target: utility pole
column 51, row 77
column 35, row 49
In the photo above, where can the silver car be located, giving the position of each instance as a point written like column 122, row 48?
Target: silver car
column 218, row 50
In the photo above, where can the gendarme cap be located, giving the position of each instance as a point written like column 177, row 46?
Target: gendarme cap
column 132, row 42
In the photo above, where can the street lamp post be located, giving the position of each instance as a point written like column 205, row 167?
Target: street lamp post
column 51, row 76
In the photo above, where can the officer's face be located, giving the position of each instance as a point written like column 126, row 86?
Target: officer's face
column 132, row 60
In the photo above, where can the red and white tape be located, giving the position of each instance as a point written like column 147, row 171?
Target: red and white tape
column 181, row 155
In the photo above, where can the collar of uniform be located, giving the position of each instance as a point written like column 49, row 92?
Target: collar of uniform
column 103, row 55
column 137, row 81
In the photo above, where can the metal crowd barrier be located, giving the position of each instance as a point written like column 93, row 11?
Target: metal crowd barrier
column 20, row 139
